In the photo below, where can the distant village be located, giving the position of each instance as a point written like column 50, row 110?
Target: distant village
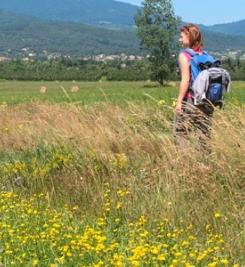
column 27, row 54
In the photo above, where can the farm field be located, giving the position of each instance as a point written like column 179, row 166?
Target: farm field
column 14, row 92
column 90, row 176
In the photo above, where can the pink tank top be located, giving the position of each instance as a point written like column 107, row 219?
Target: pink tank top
column 199, row 50
column 188, row 56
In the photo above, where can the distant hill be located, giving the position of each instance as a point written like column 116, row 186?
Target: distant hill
column 220, row 42
column 99, row 12
column 96, row 12
column 108, row 13
column 18, row 32
column 235, row 28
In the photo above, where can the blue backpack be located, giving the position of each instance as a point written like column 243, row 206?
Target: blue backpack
column 218, row 78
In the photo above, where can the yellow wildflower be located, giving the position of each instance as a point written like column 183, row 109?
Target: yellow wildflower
column 224, row 261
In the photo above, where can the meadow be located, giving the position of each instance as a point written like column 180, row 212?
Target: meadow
column 90, row 176
column 16, row 92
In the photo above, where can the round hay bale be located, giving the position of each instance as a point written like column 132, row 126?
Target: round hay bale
column 172, row 84
column 43, row 89
column 74, row 89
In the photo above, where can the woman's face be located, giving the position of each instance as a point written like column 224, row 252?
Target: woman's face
column 184, row 39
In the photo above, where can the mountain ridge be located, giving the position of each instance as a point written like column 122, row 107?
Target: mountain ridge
column 95, row 12
column 76, row 39
column 91, row 12
column 234, row 28
column 19, row 31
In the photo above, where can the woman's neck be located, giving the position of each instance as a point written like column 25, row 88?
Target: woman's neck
column 197, row 49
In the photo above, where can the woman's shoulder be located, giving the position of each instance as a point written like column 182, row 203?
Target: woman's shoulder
column 185, row 55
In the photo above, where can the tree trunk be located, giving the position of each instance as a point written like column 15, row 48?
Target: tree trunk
column 161, row 80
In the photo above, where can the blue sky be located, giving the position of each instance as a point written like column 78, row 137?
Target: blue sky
column 207, row 12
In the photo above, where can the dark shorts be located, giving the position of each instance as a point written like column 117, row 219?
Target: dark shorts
column 193, row 119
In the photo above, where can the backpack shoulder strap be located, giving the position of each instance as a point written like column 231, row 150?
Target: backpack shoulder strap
column 211, row 58
column 190, row 52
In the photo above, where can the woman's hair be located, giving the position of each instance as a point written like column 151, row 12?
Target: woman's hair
column 195, row 35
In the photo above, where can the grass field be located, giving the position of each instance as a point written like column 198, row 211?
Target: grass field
column 13, row 92
column 93, row 178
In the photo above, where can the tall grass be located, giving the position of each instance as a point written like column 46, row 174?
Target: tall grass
column 69, row 152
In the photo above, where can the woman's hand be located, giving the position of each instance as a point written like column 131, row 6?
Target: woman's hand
column 178, row 108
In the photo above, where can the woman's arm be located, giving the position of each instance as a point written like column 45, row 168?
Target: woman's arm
column 185, row 81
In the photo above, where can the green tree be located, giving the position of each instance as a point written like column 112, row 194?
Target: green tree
column 156, row 27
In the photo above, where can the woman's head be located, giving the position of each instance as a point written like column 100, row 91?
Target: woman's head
column 191, row 36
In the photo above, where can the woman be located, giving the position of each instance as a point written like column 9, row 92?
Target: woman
column 189, row 118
